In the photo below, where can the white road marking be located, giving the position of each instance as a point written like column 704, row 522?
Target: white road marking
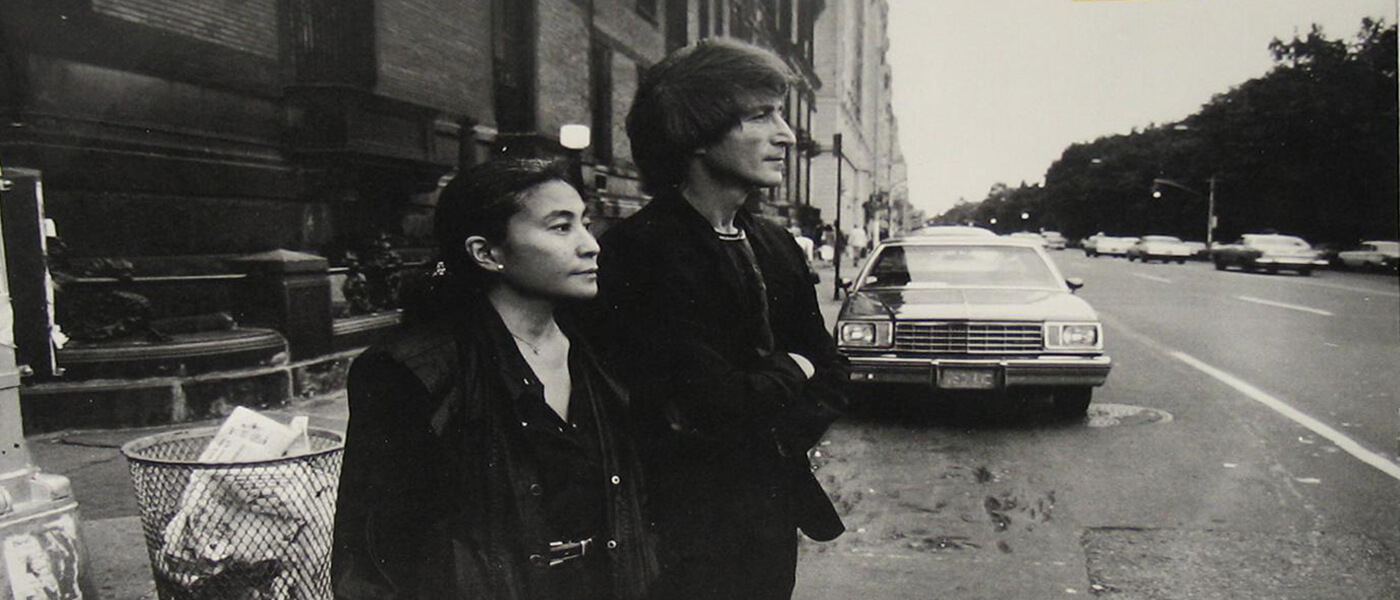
column 1315, row 311
column 1281, row 407
column 1152, row 277
column 1350, row 288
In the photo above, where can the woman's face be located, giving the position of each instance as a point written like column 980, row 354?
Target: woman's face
column 548, row 252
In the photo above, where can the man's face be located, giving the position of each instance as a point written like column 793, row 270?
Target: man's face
column 752, row 154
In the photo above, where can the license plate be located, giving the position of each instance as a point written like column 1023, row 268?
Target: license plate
column 953, row 378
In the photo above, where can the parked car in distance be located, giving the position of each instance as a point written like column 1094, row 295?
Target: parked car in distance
column 978, row 316
column 1114, row 246
column 1090, row 244
column 1159, row 247
column 1269, row 252
column 1029, row 236
column 952, row 230
column 1372, row 255
column 1054, row 240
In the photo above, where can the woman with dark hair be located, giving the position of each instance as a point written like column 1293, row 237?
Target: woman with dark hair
column 485, row 456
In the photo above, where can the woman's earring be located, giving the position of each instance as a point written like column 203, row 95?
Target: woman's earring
column 500, row 267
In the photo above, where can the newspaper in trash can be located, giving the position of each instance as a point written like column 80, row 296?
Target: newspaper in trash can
column 253, row 527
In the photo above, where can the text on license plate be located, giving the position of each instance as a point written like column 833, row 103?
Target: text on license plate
column 954, row 378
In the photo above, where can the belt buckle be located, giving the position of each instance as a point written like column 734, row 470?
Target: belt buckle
column 561, row 552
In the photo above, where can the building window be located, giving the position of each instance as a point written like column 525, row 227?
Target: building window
column 704, row 17
column 647, row 8
column 677, row 25
column 600, row 75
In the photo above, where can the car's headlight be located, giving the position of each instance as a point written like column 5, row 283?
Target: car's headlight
column 1073, row 336
column 865, row 334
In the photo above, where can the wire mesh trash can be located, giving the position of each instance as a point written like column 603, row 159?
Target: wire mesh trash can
column 247, row 530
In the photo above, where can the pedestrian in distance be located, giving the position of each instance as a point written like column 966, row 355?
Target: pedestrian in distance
column 486, row 455
column 711, row 319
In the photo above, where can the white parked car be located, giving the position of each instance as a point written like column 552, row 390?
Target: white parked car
column 1165, row 248
column 1114, row 246
column 1373, row 255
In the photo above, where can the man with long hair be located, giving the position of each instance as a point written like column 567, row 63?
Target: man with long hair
column 712, row 319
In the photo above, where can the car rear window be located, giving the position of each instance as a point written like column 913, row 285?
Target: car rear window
column 960, row 266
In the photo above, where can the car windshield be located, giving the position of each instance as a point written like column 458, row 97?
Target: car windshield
column 960, row 266
column 1278, row 241
column 1162, row 239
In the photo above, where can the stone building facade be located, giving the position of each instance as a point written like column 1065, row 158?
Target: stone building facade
column 856, row 102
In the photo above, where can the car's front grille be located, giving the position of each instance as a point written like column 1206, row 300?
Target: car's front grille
column 961, row 337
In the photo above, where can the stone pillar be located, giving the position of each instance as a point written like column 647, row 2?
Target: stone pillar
column 291, row 292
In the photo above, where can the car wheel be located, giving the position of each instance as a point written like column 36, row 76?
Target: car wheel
column 1072, row 402
column 1305, row 272
column 1219, row 265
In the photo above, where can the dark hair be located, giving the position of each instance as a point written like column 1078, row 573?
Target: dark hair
column 478, row 201
column 693, row 97
column 481, row 200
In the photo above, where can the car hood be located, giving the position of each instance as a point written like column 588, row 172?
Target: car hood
column 974, row 304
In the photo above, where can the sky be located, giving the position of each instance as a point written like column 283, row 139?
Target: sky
column 989, row 91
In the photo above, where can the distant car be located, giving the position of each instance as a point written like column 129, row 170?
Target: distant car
column 1054, row 240
column 1029, row 236
column 1114, row 246
column 952, row 230
column 1269, row 252
column 1090, row 244
column 983, row 315
column 1372, row 255
column 1159, row 247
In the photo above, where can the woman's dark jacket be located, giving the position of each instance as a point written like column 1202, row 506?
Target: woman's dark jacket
column 435, row 493
column 716, row 399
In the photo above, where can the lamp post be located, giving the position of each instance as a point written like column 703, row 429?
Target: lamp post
column 1210, row 202
column 574, row 138
column 836, row 277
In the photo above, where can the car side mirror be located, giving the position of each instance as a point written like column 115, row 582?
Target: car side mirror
column 1074, row 283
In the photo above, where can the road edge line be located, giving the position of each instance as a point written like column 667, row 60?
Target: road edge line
column 1347, row 444
column 1277, row 304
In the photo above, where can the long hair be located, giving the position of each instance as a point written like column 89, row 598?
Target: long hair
column 692, row 98
column 477, row 202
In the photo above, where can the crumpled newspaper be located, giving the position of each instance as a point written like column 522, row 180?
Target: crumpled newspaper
column 255, row 532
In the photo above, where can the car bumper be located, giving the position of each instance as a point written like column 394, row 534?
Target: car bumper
column 1010, row 372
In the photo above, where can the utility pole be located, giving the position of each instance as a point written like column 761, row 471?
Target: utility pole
column 1210, row 219
column 836, row 279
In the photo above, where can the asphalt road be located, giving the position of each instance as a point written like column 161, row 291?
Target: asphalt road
column 1245, row 446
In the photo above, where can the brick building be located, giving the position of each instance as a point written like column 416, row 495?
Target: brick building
column 210, row 162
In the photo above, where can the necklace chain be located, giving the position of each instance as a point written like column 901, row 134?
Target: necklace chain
column 533, row 348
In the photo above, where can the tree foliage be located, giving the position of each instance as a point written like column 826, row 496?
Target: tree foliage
column 1310, row 148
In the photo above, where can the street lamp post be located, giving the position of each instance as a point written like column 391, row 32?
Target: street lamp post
column 836, row 277
column 1210, row 202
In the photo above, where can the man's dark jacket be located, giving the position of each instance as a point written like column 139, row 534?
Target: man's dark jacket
column 435, row 495
column 715, row 401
